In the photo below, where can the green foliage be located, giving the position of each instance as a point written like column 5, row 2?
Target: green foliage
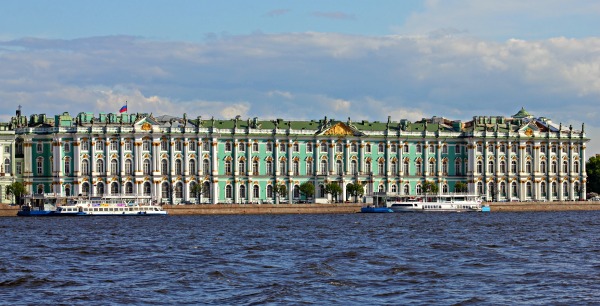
column 461, row 187
column 16, row 189
column 355, row 190
column 197, row 190
column 279, row 190
column 593, row 174
column 307, row 189
column 430, row 187
column 333, row 189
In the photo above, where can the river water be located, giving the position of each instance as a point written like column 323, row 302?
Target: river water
column 343, row 259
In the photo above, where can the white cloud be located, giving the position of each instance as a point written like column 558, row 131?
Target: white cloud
column 306, row 76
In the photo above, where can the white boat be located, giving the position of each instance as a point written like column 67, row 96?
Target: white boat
column 110, row 206
column 455, row 202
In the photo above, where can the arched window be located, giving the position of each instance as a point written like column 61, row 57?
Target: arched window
column 296, row 191
column 479, row 166
column 490, row 166
column 192, row 166
column 164, row 167
column 444, row 167
column 269, row 167
column 380, row 168
column 394, row 168
column 565, row 189
column 228, row 192
column 165, row 190
column 242, row 167
column 242, row 191
column 255, row 167
column 256, row 192
column 206, row 166
column 67, row 190
column 406, row 189
column 114, row 166
column 100, row 188
column 40, row 188
column 322, row 191
column 381, row 188
column 418, row 167
column 368, row 167
column 503, row 189
column 418, row 189
column 128, row 167
column 353, row 147
column 323, row 167
column 528, row 166
column 7, row 166
column 513, row 189
column 513, row 166
column 445, row 188
column 554, row 167
column 114, row 188
column 543, row 166
column 100, row 166
column 228, row 167
column 394, row 188
column 528, row 189
column 255, row 146
column 553, row 190
column 282, row 167
column 85, row 189
column 354, row 167
column 381, row 147
column 206, row 190
column 269, row 191
column 406, row 168
column 479, row 188
column 129, row 188
column 339, row 148
column 576, row 166
column 431, row 167
column 457, row 167
column 178, row 167
column 296, row 166
column 565, row 166
column 85, row 167
column 543, row 189
column 339, row 167
column 502, row 166
column 147, row 167
column 67, row 167
column 147, row 189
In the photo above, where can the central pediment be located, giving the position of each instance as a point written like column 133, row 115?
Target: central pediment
column 339, row 129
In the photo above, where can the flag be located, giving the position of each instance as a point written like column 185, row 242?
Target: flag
column 123, row 109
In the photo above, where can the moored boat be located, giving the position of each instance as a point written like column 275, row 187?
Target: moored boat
column 454, row 202
column 98, row 206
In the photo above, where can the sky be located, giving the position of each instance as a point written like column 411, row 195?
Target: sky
column 366, row 60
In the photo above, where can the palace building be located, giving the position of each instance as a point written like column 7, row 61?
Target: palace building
column 241, row 161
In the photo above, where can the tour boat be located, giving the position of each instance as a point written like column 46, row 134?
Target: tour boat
column 97, row 206
column 435, row 203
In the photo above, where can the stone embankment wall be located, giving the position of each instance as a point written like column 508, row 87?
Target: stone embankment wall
column 544, row 206
column 254, row 209
column 8, row 211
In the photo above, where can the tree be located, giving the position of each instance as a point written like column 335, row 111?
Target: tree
column 355, row 190
column 16, row 189
column 279, row 189
column 333, row 189
column 430, row 187
column 593, row 174
column 461, row 187
column 197, row 189
column 307, row 189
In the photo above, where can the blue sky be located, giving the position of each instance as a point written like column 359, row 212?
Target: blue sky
column 304, row 59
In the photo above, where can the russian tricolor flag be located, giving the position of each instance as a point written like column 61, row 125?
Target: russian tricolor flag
column 123, row 109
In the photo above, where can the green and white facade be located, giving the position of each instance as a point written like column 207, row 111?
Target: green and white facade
column 239, row 161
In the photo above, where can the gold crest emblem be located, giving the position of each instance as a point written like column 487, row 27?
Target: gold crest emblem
column 529, row 132
column 146, row 126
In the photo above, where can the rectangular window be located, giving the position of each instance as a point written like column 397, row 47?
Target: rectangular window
column 114, row 145
column 255, row 147
column 192, row 145
column 479, row 148
column 19, row 168
column 242, row 147
column 146, row 145
column 368, row 148
column 67, row 167
column 40, row 165
column 39, row 147
column 99, row 145
column 457, row 149
column 543, row 149
column 128, row 145
column 431, row 148
column 282, row 147
column 323, row 147
column 309, row 148
column 85, row 145
column 164, row 146
column 444, row 149
column 206, row 145
column 7, row 149
column 296, row 147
